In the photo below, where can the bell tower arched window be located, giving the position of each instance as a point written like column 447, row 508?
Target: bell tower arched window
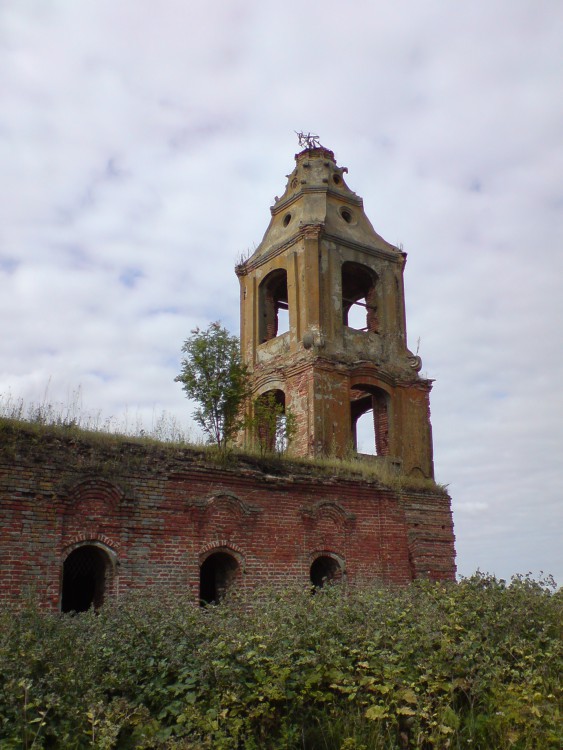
column 359, row 297
column 270, row 422
column 373, row 402
column 273, row 306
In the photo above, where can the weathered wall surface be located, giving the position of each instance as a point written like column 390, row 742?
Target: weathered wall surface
column 159, row 512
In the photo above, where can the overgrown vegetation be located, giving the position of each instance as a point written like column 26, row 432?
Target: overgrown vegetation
column 215, row 377
column 271, row 425
column 113, row 453
column 469, row 665
column 70, row 416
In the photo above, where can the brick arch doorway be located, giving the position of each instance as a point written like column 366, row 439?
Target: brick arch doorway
column 86, row 573
column 217, row 574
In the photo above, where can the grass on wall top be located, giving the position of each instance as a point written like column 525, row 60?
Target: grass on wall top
column 70, row 422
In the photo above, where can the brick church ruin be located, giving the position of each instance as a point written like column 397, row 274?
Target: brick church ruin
column 323, row 331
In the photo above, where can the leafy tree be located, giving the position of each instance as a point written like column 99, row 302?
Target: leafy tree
column 214, row 376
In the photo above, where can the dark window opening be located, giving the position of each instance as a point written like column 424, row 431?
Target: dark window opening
column 274, row 308
column 84, row 579
column 216, row 576
column 325, row 570
column 359, row 297
column 370, row 403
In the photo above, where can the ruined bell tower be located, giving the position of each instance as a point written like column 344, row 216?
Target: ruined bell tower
column 323, row 322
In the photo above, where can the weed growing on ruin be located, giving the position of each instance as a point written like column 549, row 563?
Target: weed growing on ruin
column 113, row 453
column 271, row 425
column 72, row 416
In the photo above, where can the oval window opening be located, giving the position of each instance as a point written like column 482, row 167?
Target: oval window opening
column 286, row 219
column 346, row 215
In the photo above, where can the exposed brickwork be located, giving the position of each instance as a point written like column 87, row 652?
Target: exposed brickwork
column 159, row 514
column 381, row 424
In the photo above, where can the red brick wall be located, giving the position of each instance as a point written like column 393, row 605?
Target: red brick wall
column 159, row 512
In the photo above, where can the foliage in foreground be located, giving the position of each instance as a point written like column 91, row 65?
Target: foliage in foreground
column 469, row 665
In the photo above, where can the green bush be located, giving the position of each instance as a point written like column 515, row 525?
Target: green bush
column 470, row 665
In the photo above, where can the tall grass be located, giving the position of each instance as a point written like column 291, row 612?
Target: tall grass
column 164, row 427
column 167, row 429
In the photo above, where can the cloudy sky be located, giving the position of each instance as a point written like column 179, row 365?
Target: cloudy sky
column 142, row 143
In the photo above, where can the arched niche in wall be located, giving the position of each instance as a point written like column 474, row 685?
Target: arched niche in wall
column 92, row 498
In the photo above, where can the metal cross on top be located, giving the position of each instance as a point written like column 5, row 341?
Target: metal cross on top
column 308, row 140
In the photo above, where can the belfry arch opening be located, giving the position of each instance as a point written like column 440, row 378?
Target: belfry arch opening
column 324, row 570
column 273, row 306
column 359, row 297
column 369, row 413
column 217, row 575
column 364, row 434
column 85, row 576
column 270, row 426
